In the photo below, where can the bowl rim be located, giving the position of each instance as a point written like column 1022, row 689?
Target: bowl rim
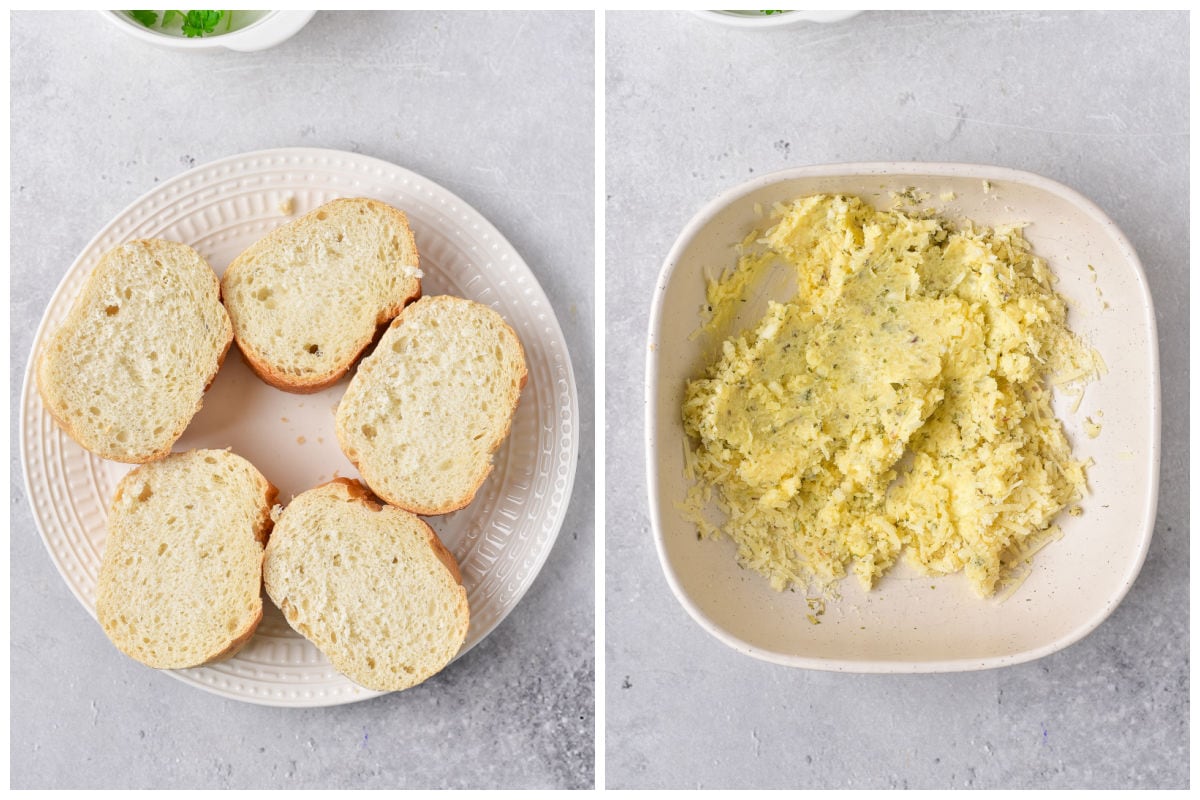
column 739, row 19
column 882, row 169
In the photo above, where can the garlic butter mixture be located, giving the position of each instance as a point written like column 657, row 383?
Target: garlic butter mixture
column 899, row 402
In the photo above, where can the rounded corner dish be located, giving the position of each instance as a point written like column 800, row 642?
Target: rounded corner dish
column 912, row 623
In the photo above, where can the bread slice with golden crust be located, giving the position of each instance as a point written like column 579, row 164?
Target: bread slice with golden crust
column 308, row 298
column 427, row 409
column 370, row 585
column 126, row 371
column 181, row 578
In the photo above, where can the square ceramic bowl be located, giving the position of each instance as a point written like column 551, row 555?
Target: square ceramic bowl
column 911, row 622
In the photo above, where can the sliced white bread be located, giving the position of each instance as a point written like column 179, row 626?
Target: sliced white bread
column 181, row 579
column 427, row 409
column 126, row 371
column 308, row 298
column 370, row 585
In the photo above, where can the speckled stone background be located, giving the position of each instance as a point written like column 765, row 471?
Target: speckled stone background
column 1098, row 102
column 463, row 99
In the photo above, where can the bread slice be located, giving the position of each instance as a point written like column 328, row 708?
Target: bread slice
column 371, row 586
column 306, row 299
column 125, row 372
column 427, row 409
column 181, row 579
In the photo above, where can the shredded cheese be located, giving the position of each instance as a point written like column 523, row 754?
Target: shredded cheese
column 899, row 403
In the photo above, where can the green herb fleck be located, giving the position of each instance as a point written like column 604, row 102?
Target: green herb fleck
column 147, row 18
column 198, row 23
column 192, row 23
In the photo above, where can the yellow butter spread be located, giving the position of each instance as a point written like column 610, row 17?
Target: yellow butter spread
column 899, row 402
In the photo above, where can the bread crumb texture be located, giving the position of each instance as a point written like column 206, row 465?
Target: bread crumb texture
column 306, row 299
column 370, row 585
column 900, row 401
column 126, row 371
column 181, row 576
column 427, row 409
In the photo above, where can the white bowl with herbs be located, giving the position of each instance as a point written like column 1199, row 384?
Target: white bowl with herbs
column 210, row 30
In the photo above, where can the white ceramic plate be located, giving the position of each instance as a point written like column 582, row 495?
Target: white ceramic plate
column 501, row 540
column 912, row 623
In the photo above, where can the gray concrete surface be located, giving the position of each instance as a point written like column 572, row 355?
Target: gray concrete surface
column 1098, row 102
column 462, row 99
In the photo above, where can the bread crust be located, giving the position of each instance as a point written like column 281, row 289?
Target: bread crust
column 274, row 373
column 486, row 467
column 110, row 574
column 238, row 643
column 49, row 393
column 263, row 534
column 354, row 491
column 362, row 493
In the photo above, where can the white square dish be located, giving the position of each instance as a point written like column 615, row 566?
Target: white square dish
column 911, row 622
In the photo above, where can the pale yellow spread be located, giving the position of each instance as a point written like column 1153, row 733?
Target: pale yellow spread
column 898, row 402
